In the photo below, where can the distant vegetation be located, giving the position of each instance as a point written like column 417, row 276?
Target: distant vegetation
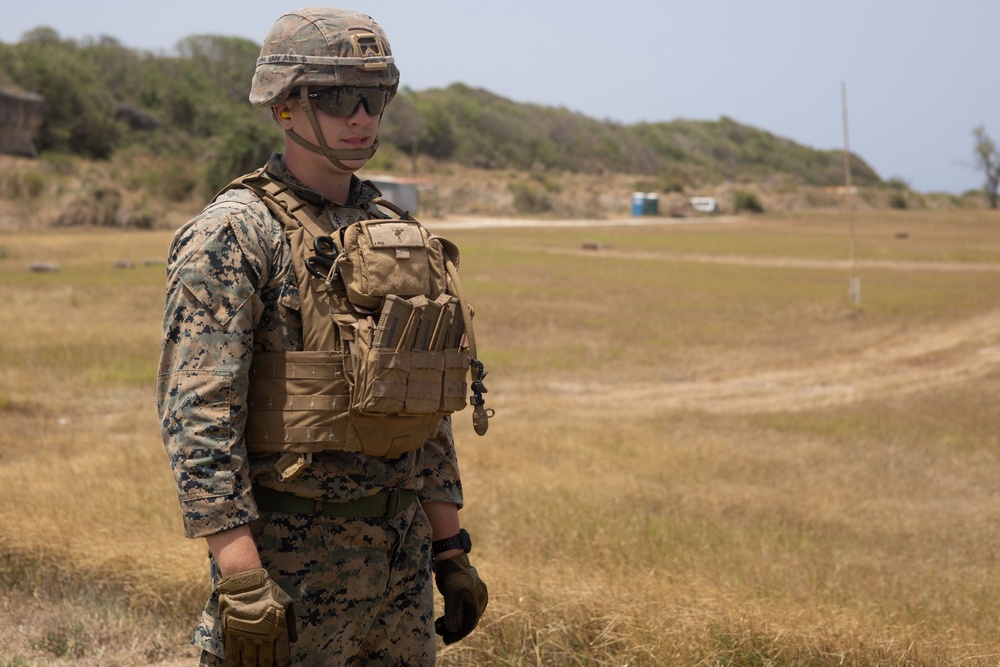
column 104, row 99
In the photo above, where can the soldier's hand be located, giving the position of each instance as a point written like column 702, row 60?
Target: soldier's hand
column 258, row 620
column 465, row 597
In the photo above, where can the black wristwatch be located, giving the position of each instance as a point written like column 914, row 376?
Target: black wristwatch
column 460, row 541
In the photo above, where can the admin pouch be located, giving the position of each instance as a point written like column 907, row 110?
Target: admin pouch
column 379, row 258
column 384, row 296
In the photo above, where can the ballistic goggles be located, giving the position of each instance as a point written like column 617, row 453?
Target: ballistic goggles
column 344, row 100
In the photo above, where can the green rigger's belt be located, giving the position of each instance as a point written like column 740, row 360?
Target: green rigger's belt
column 381, row 505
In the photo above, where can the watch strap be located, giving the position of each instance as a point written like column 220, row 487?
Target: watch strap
column 460, row 540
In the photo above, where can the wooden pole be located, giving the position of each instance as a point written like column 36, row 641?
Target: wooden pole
column 854, row 287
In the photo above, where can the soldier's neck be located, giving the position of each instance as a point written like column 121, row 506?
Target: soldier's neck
column 320, row 175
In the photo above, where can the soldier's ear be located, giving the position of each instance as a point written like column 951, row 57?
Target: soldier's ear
column 282, row 116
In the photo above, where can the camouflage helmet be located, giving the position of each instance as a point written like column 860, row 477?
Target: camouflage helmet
column 322, row 46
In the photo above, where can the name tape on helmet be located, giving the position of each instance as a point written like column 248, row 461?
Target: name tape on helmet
column 295, row 59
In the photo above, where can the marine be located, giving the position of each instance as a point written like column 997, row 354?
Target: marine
column 311, row 449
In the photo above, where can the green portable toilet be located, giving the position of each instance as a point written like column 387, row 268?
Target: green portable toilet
column 651, row 206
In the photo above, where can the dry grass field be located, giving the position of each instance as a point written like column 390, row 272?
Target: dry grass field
column 703, row 453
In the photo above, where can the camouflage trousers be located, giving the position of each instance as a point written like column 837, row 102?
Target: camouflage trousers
column 362, row 589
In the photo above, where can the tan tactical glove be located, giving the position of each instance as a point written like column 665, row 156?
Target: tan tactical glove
column 258, row 621
column 465, row 597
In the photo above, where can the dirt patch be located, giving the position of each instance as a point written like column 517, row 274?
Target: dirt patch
column 907, row 363
column 781, row 262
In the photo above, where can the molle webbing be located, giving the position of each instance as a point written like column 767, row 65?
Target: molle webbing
column 298, row 403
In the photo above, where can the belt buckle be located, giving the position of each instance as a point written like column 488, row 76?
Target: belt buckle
column 391, row 502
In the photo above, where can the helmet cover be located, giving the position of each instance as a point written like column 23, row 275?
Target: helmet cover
column 322, row 46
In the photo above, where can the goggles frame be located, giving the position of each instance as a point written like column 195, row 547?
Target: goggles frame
column 343, row 101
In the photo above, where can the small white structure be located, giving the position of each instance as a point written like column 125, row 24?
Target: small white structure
column 403, row 192
column 704, row 204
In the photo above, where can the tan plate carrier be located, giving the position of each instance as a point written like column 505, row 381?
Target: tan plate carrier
column 387, row 337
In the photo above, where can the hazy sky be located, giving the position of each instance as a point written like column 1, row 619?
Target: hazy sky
column 919, row 74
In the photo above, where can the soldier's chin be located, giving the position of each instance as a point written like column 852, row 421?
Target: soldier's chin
column 354, row 165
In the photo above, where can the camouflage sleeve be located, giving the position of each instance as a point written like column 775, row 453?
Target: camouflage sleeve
column 441, row 480
column 216, row 265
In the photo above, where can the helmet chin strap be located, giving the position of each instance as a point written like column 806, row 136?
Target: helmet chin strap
column 334, row 156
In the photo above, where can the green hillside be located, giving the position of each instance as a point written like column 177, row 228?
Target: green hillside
column 480, row 129
column 103, row 98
